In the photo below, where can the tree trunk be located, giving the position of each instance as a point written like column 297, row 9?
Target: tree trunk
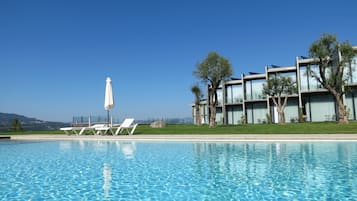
column 281, row 114
column 342, row 113
column 280, row 108
column 212, row 105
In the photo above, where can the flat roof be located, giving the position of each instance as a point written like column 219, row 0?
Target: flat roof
column 282, row 69
column 231, row 82
column 254, row 76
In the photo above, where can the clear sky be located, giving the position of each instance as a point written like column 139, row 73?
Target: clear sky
column 55, row 55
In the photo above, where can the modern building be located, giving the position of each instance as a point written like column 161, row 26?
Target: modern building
column 242, row 100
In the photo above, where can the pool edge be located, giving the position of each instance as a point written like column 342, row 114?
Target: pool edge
column 201, row 138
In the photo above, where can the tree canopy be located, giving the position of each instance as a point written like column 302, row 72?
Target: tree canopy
column 333, row 57
column 213, row 70
column 278, row 88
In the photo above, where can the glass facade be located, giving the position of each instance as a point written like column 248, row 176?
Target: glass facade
column 256, row 113
column 351, row 103
column 254, row 89
column 219, row 97
column 307, row 81
column 351, row 73
column 203, row 111
column 204, row 114
column 219, row 116
column 234, row 94
column 234, row 114
column 292, row 75
column 319, row 107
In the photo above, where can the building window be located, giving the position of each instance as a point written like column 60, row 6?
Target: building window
column 351, row 72
column 291, row 75
column 254, row 89
column 234, row 114
column 219, row 97
column 234, row 94
column 256, row 113
column 307, row 81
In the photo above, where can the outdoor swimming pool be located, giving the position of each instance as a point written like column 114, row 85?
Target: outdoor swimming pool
column 119, row 170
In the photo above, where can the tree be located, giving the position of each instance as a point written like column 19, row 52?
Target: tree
column 333, row 57
column 213, row 69
column 16, row 125
column 195, row 89
column 279, row 88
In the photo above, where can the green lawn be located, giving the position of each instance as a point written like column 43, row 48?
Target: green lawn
column 292, row 128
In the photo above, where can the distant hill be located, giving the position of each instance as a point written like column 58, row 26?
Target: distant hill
column 8, row 118
column 27, row 123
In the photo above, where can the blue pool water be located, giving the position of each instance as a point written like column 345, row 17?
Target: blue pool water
column 115, row 170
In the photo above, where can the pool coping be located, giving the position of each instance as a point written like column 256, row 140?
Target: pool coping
column 200, row 137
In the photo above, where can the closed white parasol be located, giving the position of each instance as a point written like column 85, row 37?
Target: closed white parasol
column 109, row 99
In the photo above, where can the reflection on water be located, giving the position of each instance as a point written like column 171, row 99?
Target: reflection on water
column 65, row 145
column 128, row 149
column 290, row 166
column 107, row 177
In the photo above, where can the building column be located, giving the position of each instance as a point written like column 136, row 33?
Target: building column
column 298, row 82
column 267, row 96
column 224, row 103
column 243, row 101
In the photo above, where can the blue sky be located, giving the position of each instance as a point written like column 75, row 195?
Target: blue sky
column 55, row 55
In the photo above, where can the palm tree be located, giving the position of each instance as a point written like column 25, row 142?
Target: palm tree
column 16, row 125
column 195, row 89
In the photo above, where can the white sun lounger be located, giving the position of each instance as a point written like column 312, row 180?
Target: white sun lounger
column 128, row 125
column 74, row 130
column 106, row 129
column 93, row 129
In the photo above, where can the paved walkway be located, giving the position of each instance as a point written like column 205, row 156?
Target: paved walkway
column 189, row 137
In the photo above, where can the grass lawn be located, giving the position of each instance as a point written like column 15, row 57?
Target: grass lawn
column 291, row 128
